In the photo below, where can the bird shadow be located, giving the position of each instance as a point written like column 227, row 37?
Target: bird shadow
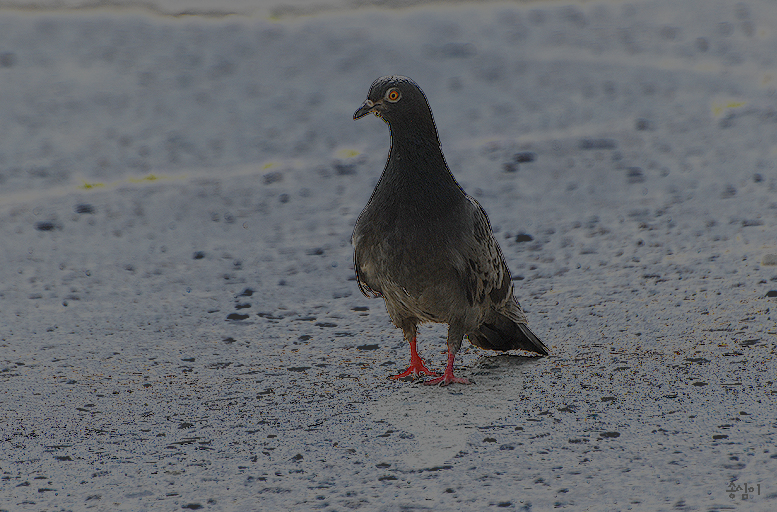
column 496, row 365
column 504, row 361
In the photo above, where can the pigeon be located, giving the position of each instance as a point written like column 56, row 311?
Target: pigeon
column 427, row 247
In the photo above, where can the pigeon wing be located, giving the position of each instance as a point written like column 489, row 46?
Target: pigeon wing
column 367, row 289
column 486, row 276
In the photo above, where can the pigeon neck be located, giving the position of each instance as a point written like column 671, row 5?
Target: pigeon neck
column 415, row 146
column 416, row 168
column 414, row 131
column 417, row 159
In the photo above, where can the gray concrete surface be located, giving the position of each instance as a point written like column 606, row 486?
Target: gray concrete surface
column 179, row 323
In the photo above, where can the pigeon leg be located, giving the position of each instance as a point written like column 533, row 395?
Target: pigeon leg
column 416, row 365
column 448, row 377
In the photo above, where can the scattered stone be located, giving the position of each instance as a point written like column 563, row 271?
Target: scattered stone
column 769, row 260
column 45, row 225
column 729, row 192
column 635, row 175
column 343, row 169
column 84, row 208
column 524, row 157
column 643, row 124
column 272, row 177
column 519, row 158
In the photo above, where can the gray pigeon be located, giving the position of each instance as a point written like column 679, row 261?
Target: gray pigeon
column 426, row 247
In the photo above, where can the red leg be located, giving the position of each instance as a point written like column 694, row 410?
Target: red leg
column 448, row 377
column 416, row 365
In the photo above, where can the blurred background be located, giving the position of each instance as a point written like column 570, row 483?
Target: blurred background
column 90, row 93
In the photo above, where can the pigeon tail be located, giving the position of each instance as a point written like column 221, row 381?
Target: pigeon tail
column 503, row 333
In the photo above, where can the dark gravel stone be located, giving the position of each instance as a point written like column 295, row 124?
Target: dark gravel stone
column 45, row 225
column 236, row 316
column 524, row 157
column 635, row 175
column 84, row 208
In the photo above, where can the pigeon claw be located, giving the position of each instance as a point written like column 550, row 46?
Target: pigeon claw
column 415, row 369
column 448, row 377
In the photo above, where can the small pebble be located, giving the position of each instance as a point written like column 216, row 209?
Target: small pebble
column 769, row 260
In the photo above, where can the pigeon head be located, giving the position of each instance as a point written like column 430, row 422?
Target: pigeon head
column 402, row 104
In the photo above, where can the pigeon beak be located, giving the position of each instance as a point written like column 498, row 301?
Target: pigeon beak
column 367, row 107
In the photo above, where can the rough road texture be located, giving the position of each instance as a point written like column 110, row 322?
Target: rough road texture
column 180, row 324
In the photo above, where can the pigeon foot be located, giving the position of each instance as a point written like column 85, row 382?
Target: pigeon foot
column 448, row 377
column 415, row 370
column 416, row 367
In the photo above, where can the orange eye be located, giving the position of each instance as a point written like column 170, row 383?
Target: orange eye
column 393, row 95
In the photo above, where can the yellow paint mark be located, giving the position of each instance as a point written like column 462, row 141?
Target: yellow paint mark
column 145, row 179
column 718, row 107
column 150, row 177
column 268, row 165
column 347, row 153
column 87, row 186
